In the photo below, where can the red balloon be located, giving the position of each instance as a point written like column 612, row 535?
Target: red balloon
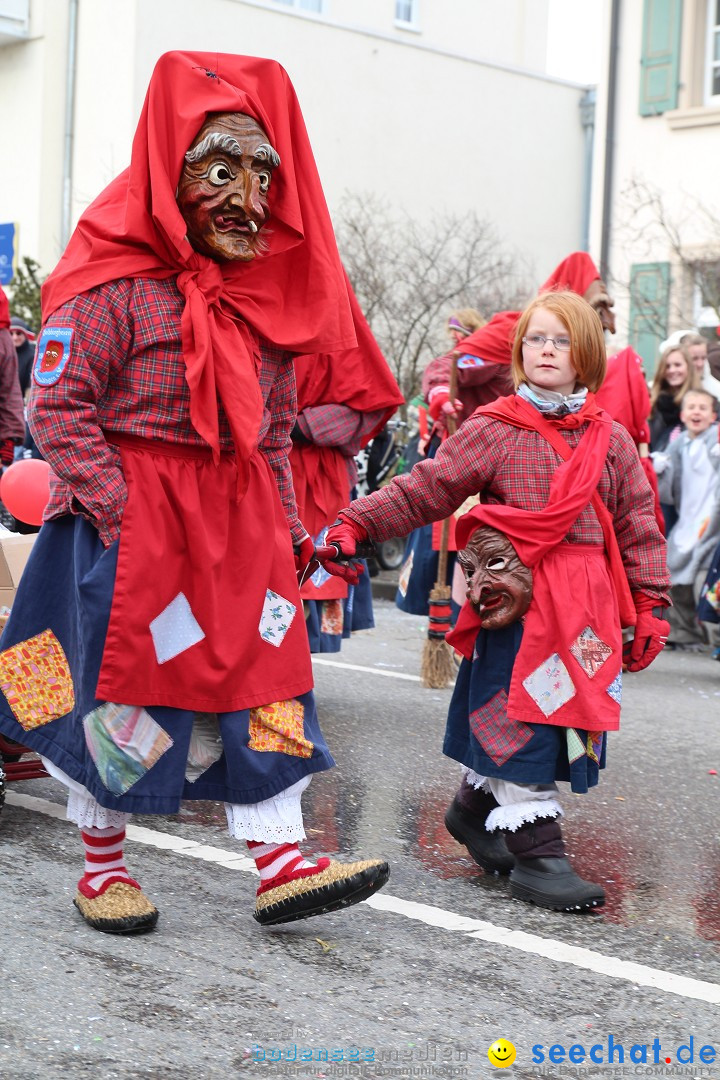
column 25, row 489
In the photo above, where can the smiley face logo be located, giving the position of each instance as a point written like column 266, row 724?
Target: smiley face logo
column 501, row 1054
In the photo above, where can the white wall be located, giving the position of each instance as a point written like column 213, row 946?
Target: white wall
column 426, row 131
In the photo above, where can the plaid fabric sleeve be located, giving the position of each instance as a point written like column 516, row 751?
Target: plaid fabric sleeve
column 63, row 417
column 281, row 404
column 641, row 543
column 338, row 426
column 463, row 466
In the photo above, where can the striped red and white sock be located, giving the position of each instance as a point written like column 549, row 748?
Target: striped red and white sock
column 279, row 863
column 104, row 861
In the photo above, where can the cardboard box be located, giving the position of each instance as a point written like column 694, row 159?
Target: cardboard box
column 14, row 553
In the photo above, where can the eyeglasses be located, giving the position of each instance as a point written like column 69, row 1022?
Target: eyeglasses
column 536, row 341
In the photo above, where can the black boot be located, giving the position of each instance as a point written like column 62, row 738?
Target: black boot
column 465, row 821
column 542, row 873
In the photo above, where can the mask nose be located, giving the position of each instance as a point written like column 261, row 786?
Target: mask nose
column 246, row 196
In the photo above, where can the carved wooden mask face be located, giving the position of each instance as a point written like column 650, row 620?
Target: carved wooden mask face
column 598, row 299
column 499, row 585
column 223, row 188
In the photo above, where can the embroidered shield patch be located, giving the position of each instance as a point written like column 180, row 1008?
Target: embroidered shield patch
column 52, row 354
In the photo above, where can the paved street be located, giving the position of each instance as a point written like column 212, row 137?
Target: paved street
column 424, row 977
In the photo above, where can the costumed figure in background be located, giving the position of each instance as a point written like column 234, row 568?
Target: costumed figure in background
column 420, row 562
column 344, row 400
column 156, row 650
column 580, row 556
column 12, row 411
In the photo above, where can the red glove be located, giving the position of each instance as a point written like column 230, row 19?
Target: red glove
column 441, row 406
column 342, row 539
column 304, row 552
column 651, row 633
column 7, row 452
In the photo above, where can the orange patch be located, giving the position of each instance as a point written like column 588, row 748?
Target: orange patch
column 278, row 728
column 331, row 621
column 35, row 678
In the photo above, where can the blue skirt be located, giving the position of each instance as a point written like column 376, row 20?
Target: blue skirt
column 134, row 761
column 357, row 609
column 418, row 573
column 480, row 735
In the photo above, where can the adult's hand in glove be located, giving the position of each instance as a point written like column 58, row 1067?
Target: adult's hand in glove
column 651, row 634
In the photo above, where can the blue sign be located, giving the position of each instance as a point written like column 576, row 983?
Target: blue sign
column 8, row 252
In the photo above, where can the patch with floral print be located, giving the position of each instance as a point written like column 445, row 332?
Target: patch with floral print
column 331, row 621
column 279, row 728
column 550, row 685
column 615, row 688
column 499, row 736
column 36, row 681
column 277, row 614
column 124, row 742
column 590, row 651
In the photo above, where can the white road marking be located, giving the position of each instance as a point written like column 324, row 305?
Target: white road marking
column 372, row 670
column 472, row 929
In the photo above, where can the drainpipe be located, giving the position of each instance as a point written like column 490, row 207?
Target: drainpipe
column 67, row 175
column 587, row 119
column 609, row 140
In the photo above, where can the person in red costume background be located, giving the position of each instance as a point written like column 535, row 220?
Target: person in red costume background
column 569, row 504
column 12, row 415
column 343, row 401
column 154, row 651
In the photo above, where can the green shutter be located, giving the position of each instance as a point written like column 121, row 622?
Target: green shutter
column 660, row 56
column 649, row 295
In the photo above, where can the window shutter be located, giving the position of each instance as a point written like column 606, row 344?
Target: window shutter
column 660, row 56
column 649, row 295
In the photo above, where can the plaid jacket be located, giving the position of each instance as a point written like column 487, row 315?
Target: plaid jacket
column 509, row 465
column 126, row 373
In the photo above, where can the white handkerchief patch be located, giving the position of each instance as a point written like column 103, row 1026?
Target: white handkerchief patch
column 550, row 685
column 277, row 614
column 175, row 630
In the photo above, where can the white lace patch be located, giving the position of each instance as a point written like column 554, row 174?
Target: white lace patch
column 590, row 651
column 175, row 630
column 205, row 745
column 277, row 614
column 550, row 685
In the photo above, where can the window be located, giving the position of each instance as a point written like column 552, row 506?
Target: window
column 305, row 5
column 712, row 62
column 406, row 12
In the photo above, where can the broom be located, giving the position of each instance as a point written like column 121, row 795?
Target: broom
column 437, row 669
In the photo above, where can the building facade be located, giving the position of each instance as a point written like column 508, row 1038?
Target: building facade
column 432, row 106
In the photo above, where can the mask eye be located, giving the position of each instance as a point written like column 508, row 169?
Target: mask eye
column 219, row 174
column 265, row 178
column 497, row 564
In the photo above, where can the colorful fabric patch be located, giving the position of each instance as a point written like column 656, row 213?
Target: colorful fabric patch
column 52, row 354
column 590, row 651
column 36, row 681
column 615, row 688
column 278, row 728
column 550, row 685
column 594, row 745
column 205, row 745
column 331, row 621
column 575, row 745
column 175, row 630
column 405, row 572
column 124, row 742
column 277, row 614
column 499, row 736
column 469, row 361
